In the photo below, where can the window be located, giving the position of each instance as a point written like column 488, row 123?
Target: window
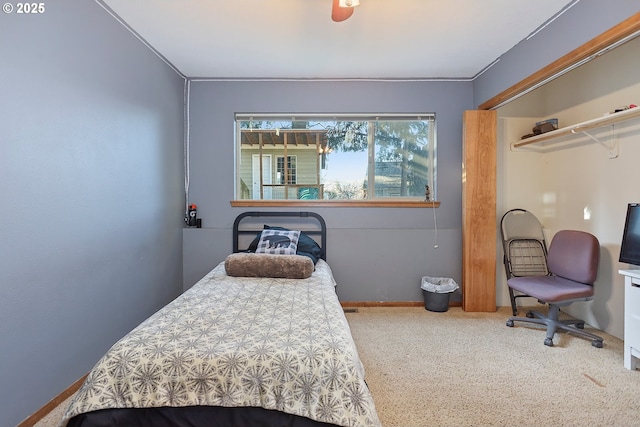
column 335, row 157
column 288, row 171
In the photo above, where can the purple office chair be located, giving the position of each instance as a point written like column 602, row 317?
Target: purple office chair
column 572, row 261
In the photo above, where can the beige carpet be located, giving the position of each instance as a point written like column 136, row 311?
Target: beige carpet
column 469, row 369
column 54, row 417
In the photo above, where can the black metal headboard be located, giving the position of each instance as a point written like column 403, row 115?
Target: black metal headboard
column 320, row 228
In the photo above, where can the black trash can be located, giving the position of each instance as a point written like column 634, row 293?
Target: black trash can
column 434, row 301
column 436, row 292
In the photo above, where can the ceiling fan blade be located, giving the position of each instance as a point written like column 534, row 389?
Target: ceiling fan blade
column 340, row 13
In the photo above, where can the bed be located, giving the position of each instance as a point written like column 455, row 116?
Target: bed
column 236, row 351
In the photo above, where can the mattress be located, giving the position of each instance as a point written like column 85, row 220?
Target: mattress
column 271, row 344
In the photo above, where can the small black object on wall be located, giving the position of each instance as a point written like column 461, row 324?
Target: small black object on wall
column 191, row 218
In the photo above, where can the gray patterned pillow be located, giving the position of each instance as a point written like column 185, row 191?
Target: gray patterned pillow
column 278, row 242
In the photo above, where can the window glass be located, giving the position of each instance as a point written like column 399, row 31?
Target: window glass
column 335, row 158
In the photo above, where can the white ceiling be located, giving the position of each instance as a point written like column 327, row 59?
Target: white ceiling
column 384, row 39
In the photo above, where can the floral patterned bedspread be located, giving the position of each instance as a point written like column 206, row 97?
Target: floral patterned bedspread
column 281, row 344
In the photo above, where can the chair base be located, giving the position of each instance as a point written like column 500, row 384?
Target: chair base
column 553, row 324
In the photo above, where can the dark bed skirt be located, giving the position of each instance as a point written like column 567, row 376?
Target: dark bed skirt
column 192, row 416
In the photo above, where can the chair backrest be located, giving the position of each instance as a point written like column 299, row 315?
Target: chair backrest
column 520, row 224
column 525, row 257
column 574, row 255
column 524, row 247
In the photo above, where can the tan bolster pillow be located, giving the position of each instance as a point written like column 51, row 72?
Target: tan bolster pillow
column 269, row 265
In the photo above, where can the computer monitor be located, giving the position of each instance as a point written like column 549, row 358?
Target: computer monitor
column 630, row 248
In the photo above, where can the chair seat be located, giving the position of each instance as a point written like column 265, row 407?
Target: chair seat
column 551, row 289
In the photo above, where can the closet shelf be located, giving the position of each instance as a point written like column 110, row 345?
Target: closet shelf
column 581, row 127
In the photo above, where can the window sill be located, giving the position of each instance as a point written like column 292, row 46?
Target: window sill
column 335, row 203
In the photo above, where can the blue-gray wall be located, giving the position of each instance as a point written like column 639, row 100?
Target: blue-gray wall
column 91, row 195
column 377, row 254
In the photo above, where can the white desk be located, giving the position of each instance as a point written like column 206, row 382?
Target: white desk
column 631, row 318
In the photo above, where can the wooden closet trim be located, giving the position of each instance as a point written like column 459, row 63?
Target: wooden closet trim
column 479, row 229
column 604, row 40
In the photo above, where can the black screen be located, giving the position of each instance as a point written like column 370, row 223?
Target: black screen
column 630, row 249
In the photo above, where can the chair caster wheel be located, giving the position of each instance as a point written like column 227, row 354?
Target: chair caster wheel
column 596, row 343
column 510, row 323
column 548, row 342
column 530, row 315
